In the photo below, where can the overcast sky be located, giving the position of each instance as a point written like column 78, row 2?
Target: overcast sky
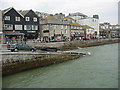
column 106, row 9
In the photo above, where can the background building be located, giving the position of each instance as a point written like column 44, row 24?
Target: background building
column 59, row 16
column 108, row 30
column 85, row 20
column 54, row 30
column 42, row 15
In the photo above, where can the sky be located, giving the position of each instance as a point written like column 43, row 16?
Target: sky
column 106, row 9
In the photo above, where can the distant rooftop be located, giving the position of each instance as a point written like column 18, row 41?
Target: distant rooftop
column 23, row 12
column 77, row 14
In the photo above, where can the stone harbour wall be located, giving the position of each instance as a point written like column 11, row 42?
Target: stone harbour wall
column 11, row 66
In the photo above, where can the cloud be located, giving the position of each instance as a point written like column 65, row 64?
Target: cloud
column 107, row 9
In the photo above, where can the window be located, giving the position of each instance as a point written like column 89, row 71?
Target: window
column 65, row 31
column 27, row 18
column 35, row 19
column 62, row 27
column 78, row 27
column 7, row 18
column 72, row 27
column 18, row 27
column 30, row 27
column 66, row 27
column 17, row 18
column 34, row 27
column 8, row 27
column 27, row 27
column 55, row 26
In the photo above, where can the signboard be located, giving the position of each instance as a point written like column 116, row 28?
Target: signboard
column 31, row 31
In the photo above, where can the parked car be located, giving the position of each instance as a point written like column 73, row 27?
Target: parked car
column 86, row 38
column 21, row 46
column 52, row 49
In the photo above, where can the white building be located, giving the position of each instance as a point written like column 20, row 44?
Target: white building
column 85, row 20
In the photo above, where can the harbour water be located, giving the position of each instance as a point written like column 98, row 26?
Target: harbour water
column 99, row 70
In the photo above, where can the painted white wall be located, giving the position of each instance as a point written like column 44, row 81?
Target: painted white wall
column 92, row 22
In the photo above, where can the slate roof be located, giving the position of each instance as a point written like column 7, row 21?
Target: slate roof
column 53, row 22
column 48, row 18
column 8, row 9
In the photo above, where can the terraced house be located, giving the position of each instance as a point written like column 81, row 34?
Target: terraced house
column 12, row 25
column 76, row 30
column 54, row 30
column 18, row 25
column 30, row 24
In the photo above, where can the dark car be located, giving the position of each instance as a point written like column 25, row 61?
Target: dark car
column 21, row 46
column 52, row 49
column 86, row 38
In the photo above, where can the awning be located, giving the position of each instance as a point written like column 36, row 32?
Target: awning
column 14, row 34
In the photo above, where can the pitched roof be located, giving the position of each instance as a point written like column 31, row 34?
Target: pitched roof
column 52, row 20
column 8, row 9
column 55, row 22
column 87, row 27
column 83, row 26
column 48, row 18
column 75, row 24
column 68, row 18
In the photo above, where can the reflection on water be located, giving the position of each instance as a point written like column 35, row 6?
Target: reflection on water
column 99, row 70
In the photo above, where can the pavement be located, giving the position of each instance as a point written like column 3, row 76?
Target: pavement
column 38, row 52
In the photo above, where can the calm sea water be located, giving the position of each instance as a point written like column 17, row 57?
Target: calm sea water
column 100, row 70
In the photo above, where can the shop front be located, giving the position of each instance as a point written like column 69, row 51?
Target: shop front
column 31, row 34
column 13, row 37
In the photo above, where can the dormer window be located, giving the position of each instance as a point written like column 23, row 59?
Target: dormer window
column 17, row 18
column 27, row 18
column 7, row 18
column 35, row 19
